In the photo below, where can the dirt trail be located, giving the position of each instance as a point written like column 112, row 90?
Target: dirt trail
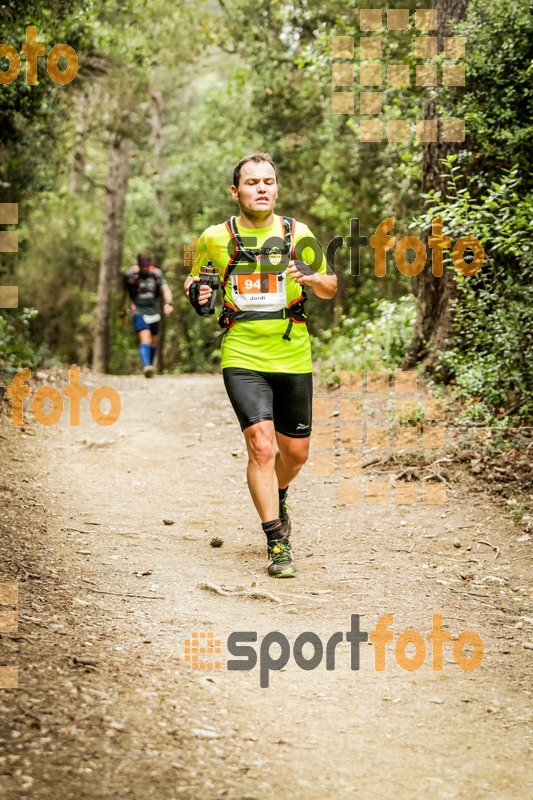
column 137, row 722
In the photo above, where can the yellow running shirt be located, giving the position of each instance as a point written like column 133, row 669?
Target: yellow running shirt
column 259, row 344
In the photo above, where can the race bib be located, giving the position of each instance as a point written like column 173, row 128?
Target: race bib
column 262, row 290
column 151, row 318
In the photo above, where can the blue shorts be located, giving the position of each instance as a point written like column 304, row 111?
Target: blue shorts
column 140, row 324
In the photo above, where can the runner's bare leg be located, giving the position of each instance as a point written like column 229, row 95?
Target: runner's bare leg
column 267, row 469
column 261, row 471
column 290, row 458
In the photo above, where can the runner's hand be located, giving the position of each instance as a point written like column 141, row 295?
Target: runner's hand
column 302, row 273
column 168, row 308
column 205, row 292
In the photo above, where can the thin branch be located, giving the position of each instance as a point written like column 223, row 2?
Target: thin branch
column 127, row 594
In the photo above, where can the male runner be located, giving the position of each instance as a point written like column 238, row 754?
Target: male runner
column 145, row 284
column 266, row 352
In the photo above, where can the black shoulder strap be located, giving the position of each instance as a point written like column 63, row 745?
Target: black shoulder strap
column 241, row 253
column 236, row 236
column 289, row 224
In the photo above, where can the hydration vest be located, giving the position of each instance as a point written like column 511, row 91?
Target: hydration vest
column 135, row 274
column 294, row 311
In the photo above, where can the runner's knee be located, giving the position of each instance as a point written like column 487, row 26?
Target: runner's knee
column 301, row 457
column 261, row 448
column 294, row 450
column 296, row 453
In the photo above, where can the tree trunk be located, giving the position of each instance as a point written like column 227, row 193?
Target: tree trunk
column 158, row 245
column 433, row 327
column 111, row 259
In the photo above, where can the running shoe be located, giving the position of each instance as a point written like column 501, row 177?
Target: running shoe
column 149, row 371
column 281, row 564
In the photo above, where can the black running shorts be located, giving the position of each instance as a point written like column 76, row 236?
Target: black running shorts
column 284, row 398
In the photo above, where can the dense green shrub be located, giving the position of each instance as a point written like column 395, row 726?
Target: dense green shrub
column 360, row 344
column 17, row 350
column 491, row 356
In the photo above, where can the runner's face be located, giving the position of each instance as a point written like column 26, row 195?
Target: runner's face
column 258, row 189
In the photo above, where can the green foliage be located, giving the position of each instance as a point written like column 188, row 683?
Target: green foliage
column 367, row 344
column 413, row 417
column 30, row 114
column 16, row 347
column 497, row 104
column 491, row 355
column 59, row 271
column 189, row 339
column 124, row 352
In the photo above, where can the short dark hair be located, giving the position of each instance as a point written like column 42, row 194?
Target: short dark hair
column 143, row 255
column 257, row 157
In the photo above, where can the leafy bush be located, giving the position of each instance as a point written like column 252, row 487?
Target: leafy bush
column 359, row 344
column 497, row 101
column 17, row 349
column 491, row 355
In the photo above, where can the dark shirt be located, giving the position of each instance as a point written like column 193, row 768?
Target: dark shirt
column 144, row 290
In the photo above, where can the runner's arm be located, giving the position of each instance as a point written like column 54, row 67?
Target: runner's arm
column 167, row 298
column 200, row 261
column 324, row 286
column 316, row 277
